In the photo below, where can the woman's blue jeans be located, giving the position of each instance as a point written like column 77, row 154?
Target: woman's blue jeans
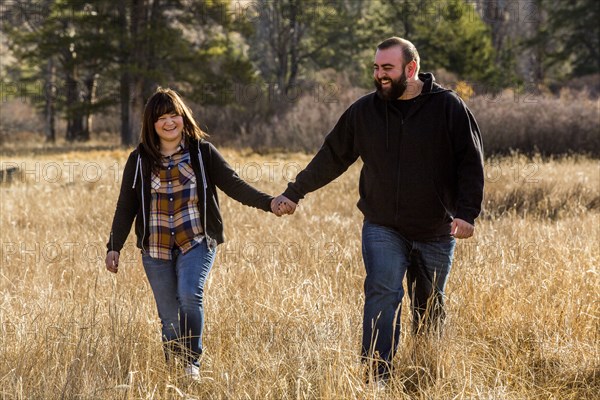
column 178, row 287
column 388, row 256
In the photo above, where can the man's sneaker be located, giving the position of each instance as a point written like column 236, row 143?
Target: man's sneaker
column 192, row 371
column 381, row 385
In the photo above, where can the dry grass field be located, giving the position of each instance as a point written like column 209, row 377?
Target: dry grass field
column 284, row 300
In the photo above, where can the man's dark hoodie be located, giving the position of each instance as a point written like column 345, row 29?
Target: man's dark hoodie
column 420, row 170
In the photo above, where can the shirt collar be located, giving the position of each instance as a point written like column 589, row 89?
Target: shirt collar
column 180, row 150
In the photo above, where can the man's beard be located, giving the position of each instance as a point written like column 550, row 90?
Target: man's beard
column 394, row 92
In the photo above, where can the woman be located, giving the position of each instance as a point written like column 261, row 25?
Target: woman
column 169, row 187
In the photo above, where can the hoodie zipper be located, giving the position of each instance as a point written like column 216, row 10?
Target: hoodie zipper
column 399, row 171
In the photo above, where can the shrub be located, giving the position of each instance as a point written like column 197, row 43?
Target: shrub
column 543, row 123
column 530, row 124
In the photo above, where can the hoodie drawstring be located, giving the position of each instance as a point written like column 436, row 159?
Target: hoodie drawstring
column 138, row 168
column 387, row 128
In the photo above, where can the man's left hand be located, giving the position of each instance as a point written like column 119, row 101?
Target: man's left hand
column 461, row 229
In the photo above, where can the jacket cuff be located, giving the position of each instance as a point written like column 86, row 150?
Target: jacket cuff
column 465, row 216
column 108, row 249
column 292, row 195
column 267, row 205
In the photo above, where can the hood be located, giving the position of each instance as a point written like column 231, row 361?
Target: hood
column 430, row 86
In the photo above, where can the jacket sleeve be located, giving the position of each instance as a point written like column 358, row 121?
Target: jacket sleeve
column 334, row 157
column 127, row 207
column 468, row 152
column 226, row 179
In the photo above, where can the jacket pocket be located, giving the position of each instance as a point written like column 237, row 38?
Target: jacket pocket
column 422, row 201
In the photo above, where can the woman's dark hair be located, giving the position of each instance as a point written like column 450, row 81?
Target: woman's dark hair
column 166, row 101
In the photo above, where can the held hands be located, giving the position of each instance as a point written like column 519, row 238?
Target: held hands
column 461, row 229
column 281, row 205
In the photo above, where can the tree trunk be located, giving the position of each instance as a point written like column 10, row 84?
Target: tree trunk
column 88, row 110
column 135, row 110
column 74, row 126
column 75, row 103
column 126, row 137
column 139, row 23
column 280, row 45
column 125, row 76
column 539, row 52
column 49, row 110
column 294, row 44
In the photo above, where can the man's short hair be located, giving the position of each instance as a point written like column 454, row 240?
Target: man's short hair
column 409, row 51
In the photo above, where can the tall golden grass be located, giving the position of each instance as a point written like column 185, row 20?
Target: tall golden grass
column 284, row 300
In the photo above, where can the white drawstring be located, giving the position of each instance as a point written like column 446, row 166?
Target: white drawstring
column 143, row 203
column 138, row 168
column 137, row 165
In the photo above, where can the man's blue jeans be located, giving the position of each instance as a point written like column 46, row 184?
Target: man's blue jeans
column 178, row 287
column 388, row 256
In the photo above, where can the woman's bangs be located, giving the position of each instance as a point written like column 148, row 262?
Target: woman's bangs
column 165, row 104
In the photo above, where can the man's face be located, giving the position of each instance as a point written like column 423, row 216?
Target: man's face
column 388, row 73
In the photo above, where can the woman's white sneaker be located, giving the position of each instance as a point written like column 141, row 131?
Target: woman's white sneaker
column 192, row 371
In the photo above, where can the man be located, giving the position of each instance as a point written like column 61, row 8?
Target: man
column 421, row 186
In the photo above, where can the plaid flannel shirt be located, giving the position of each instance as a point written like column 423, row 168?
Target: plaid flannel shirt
column 174, row 215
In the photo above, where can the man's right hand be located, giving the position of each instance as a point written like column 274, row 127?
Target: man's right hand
column 112, row 261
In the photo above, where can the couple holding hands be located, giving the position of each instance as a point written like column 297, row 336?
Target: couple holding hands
column 421, row 187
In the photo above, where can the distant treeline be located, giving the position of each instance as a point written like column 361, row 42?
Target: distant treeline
column 275, row 73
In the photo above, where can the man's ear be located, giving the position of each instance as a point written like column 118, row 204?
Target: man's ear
column 411, row 69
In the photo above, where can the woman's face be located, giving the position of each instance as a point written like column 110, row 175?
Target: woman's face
column 169, row 128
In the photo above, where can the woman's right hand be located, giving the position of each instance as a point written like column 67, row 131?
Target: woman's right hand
column 112, row 261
